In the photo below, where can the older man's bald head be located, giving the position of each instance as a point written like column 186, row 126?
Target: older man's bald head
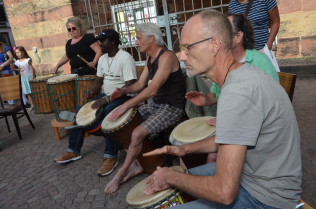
column 214, row 24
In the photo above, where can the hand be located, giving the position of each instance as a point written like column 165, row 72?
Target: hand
column 55, row 70
column 117, row 93
column 22, row 69
column 89, row 95
column 197, row 98
column 157, row 182
column 1, row 68
column 92, row 64
column 172, row 150
column 118, row 112
column 269, row 45
column 212, row 122
column 98, row 103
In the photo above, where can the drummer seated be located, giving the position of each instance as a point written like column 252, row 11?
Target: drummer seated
column 116, row 69
column 257, row 136
column 167, row 89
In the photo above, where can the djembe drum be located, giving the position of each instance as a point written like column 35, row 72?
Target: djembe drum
column 163, row 199
column 90, row 119
column 83, row 85
column 121, row 131
column 63, row 94
column 191, row 131
column 41, row 99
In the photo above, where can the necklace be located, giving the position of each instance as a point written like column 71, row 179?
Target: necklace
column 228, row 71
column 109, row 65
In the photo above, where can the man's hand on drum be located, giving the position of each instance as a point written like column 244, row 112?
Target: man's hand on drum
column 117, row 93
column 212, row 122
column 197, row 98
column 118, row 112
column 98, row 103
column 89, row 95
column 156, row 182
column 172, row 150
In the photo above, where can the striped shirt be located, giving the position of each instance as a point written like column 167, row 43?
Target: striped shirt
column 258, row 16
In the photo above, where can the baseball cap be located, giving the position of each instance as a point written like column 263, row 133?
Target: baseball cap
column 108, row 33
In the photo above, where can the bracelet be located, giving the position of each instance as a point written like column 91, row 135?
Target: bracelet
column 107, row 99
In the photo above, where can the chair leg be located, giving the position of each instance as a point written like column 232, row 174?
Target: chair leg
column 16, row 123
column 28, row 118
column 6, row 120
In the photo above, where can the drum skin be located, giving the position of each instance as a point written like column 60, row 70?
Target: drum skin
column 84, row 85
column 41, row 99
column 191, row 126
column 63, row 95
column 122, row 136
column 136, row 199
column 91, row 119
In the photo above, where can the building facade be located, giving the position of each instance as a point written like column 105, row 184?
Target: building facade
column 41, row 24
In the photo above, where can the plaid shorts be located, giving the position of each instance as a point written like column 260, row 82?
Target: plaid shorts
column 158, row 117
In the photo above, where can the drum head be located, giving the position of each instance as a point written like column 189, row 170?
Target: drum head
column 41, row 78
column 110, row 125
column 86, row 115
column 62, row 78
column 136, row 199
column 193, row 130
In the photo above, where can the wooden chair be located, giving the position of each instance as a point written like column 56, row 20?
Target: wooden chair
column 10, row 89
column 287, row 81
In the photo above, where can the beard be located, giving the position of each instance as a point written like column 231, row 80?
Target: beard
column 188, row 74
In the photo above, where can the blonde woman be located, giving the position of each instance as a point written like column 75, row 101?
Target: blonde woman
column 82, row 44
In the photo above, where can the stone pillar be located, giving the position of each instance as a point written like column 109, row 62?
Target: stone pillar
column 41, row 24
column 297, row 34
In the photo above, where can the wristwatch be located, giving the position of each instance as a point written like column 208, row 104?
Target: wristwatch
column 2, row 65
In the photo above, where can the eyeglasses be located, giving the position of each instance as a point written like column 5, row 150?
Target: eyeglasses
column 73, row 28
column 185, row 47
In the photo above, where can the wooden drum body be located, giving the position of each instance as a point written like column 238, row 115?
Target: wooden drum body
column 83, row 85
column 191, row 131
column 121, row 131
column 62, row 91
column 163, row 199
column 41, row 99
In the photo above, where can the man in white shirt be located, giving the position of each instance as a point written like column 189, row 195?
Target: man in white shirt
column 116, row 69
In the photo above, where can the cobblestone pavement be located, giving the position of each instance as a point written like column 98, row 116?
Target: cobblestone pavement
column 29, row 178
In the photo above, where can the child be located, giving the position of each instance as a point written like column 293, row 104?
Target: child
column 24, row 62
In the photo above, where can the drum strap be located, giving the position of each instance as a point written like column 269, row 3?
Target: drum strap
column 70, row 116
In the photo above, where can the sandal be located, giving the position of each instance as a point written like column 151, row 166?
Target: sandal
column 30, row 109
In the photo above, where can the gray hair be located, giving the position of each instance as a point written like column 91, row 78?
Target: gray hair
column 77, row 22
column 217, row 25
column 151, row 29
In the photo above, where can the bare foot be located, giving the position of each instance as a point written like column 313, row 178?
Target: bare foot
column 115, row 182
column 133, row 170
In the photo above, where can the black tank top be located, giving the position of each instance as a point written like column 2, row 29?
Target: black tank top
column 173, row 90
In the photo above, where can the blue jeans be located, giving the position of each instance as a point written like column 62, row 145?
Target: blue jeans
column 242, row 200
column 77, row 135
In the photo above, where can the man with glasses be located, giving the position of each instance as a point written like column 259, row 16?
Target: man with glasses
column 116, row 69
column 257, row 136
column 167, row 89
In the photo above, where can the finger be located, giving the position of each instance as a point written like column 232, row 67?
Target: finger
column 212, row 122
column 159, row 151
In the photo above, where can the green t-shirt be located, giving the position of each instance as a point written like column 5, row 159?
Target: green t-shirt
column 257, row 59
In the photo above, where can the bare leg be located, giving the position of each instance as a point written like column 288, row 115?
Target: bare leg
column 133, row 170
column 138, row 136
column 29, row 97
column 211, row 158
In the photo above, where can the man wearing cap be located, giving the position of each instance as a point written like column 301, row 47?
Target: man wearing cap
column 116, row 69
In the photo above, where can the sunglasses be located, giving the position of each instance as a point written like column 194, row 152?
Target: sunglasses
column 73, row 28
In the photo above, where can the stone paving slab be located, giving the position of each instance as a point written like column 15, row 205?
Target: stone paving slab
column 29, row 178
